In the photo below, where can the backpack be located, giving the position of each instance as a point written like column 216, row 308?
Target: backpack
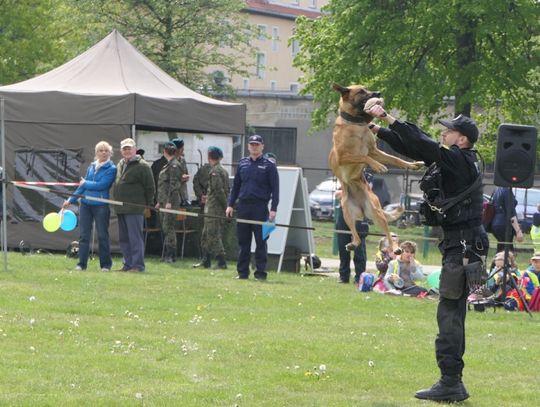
column 513, row 301
column 534, row 303
column 488, row 213
column 366, row 282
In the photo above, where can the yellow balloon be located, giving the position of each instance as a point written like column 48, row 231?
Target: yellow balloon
column 51, row 222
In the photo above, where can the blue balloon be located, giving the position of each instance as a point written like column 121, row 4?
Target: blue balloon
column 69, row 221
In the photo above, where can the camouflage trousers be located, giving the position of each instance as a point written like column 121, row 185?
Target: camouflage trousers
column 168, row 221
column 212, row 237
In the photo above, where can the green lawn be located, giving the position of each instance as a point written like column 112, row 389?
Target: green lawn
column 183, row 337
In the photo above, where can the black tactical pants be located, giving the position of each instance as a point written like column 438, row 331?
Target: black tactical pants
column 450, row 341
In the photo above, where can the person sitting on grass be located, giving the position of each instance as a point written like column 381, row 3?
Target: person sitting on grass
column 404, row 271
column 497, row 269
column 532, row 273
column 385, row 254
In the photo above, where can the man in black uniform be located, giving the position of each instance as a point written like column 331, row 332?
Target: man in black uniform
column 465, row 240
column 256, row 182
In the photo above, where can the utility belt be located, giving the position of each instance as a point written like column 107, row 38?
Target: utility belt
column 464, row 234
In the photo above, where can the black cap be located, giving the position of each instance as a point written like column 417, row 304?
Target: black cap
column 255, row 139
column 465, row 125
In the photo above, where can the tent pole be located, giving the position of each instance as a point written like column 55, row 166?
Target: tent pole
column 2, row 177
column 134, row 133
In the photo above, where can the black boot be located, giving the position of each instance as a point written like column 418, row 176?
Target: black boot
column 448, row 388
column 204, row 263
column 172, row 255
column 221, row 263
column 165, row 257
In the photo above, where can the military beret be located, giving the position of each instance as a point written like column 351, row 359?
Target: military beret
column 178, row 142
column 169, row 145
column 216, row 151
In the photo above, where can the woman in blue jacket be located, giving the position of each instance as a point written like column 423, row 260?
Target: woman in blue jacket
column 100, row 175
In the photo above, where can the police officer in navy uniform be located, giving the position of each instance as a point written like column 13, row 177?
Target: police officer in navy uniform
column 256, row 183
column 464, row 239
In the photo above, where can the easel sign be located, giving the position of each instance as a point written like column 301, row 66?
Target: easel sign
column 293, row 209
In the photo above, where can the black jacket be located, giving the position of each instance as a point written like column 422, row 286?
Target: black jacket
column 459, row 169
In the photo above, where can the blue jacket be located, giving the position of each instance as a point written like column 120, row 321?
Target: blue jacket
column 97, row 183
column 256, row 179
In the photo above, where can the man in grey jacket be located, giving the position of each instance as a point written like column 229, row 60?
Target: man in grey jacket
column 134, row 184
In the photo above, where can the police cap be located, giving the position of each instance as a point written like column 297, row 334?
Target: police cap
column 465, row 125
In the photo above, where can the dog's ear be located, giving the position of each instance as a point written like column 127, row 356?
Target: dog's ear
column 341, row 89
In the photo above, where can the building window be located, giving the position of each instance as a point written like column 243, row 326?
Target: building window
column 294, row 87
column 313, row 3
column 261, row 31
column 295, row 47
column 273, row 85
column 279, row 140
column 245, row 84
column 295, row 2
column 275, row 38
column 261, row 65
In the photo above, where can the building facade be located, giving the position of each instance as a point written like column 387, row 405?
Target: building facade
column 275, row 109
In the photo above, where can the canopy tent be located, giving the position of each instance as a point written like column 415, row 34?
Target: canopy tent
column 53, row 122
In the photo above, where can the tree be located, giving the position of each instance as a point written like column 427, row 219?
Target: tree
column 33, row 37
column 184, row 37
column 425, row 54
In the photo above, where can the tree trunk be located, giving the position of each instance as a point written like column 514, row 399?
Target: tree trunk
column 465, row 58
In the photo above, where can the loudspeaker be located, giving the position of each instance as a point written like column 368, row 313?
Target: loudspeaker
column 516, row 156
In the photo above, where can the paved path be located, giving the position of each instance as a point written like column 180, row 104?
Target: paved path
column 332, row 266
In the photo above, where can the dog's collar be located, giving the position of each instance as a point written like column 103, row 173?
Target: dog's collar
column 353, row 119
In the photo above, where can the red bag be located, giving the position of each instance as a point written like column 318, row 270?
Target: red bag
column 488, row 213
column 534, row 302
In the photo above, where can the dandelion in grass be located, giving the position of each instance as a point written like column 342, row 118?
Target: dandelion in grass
column 139, row 396
column 31, row 298
column 371, row 363
column 32, row 322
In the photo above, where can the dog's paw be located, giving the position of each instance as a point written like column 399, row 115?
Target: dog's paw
column 416, row 165
column 350, row 247
column 378, row 167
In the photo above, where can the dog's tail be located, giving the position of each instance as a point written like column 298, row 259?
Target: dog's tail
column 394, row 214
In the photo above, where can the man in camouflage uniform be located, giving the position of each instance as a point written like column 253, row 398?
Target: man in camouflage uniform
column 200, row 187
column 168, row 197
column 184, row 175
column 216, row 202
column 200, row 183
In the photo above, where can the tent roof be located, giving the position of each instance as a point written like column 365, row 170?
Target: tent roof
column 115, row 70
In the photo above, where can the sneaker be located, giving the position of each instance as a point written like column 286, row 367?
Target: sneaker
column 106, row 269
column 79, row 268
column 393, row 292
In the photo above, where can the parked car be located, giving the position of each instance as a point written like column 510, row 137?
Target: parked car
column 527, row 201
column 321, row 199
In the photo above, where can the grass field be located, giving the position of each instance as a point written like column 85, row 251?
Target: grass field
column 183, row 337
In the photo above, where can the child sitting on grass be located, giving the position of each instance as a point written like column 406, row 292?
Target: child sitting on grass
column 403, row 272
column 385, row 254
